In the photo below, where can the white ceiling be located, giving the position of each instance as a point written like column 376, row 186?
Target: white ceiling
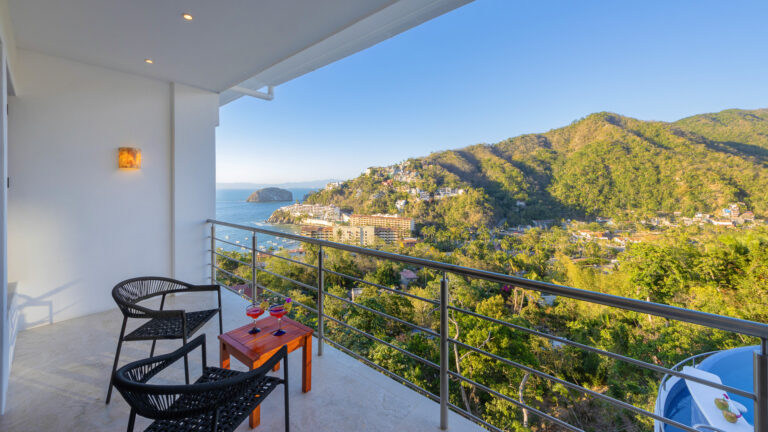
column 261, row 42
column 227, row 42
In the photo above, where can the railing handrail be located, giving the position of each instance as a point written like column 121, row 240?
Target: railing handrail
column 735, row 325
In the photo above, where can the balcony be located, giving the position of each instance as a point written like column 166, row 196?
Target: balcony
column 86, row 81
column 448, row 346
column 60, row 376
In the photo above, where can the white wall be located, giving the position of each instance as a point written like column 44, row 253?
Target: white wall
column 7, row 334
column 78, row 225
column 195, row 117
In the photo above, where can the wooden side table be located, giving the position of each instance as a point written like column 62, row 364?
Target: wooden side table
column 254, row 350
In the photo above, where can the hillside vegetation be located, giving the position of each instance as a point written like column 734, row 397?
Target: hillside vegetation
column 602, row 165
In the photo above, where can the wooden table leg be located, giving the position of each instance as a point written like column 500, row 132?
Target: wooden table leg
column 254, row 419
column 223, row 356
column 306, row 370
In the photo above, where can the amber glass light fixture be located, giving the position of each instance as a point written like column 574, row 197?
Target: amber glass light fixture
column 129, row 158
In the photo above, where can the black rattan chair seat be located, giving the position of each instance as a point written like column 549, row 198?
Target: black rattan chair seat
column 170, row 328
column 231, row 414
column 220, row 400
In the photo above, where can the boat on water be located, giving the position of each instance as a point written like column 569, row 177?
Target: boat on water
column 703, row 407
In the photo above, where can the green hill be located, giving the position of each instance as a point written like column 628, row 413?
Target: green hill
column 602, row 165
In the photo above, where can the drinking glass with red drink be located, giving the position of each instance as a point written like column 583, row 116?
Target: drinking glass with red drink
column 278, row 311
column 254, row 311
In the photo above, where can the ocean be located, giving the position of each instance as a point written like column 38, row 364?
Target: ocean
column 231, row 206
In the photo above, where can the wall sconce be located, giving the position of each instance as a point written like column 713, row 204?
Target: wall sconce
column 129, row 158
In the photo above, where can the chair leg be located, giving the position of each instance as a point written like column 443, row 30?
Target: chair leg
column 215, row 422
column 285, row 384
column 152, row 351
column 221, row 326
column 131, row 420
column 117, row 357
column 186, row 363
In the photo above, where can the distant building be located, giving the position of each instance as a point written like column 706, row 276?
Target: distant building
column 732, row 211
column 422, row 195
column 355, row 293
column 545, row 223
column 400, row 204
column 317, row 232
column 333, row 185
column 407, row 276
column 321, row 222
column 388, row 235
column 364, row 236
column 325, row 212
column 592, row 235
column 722, row 222
column 446, row 192
column 402, row 226
column 409, row 242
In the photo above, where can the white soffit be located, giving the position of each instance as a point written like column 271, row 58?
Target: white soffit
column 246, row 43
column 389, row 22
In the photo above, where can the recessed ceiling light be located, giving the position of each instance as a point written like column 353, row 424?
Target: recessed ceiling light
column 187, row 16
column 149, row 61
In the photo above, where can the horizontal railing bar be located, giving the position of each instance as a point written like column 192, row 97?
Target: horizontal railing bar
column 385, row 315
column 731, row 324
column 286, row 278
column 244, row 246
column 516, row 402
column 569, row 384
column 313, row 310
column 234, row 291
column 372, row 337
column 469, row 416
column 289, row 259
column 232, row 259
column 626, row 359
column 357, row 279
column 396, row 377
column 232, row 274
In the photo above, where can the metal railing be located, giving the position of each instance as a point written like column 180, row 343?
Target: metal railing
column 712, row 321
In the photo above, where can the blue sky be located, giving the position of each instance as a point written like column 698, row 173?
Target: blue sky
column 495, row 69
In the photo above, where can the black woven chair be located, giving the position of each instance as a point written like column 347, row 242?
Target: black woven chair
column 162, row 324
column 218, row 401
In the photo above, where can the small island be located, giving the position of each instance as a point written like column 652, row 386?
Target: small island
column 270, row 194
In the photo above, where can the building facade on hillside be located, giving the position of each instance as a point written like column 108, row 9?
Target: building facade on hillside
column 446, row 192
column 402, row 226
column 317, row 211
column 363, row 235
column 317, row 232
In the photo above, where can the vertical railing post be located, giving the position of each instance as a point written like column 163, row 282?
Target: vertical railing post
column 760, row 374
column 320, row 295
column 253, row 269
column 444, row 353
column 213, row 253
